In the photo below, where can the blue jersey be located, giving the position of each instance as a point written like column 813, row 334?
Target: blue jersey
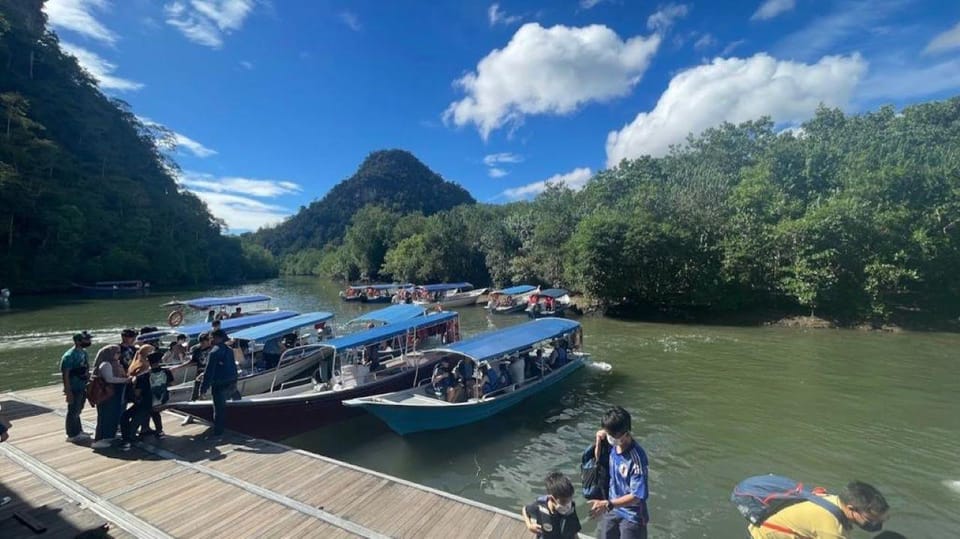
column 628, row 475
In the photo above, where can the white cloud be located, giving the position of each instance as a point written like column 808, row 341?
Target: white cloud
column 850, row 21
column 590, row 4
column 207, row 22
column 232, row 198
column 178, row 140
column 736, row 90
column 495, row 172
column 246, row 64
column 575, row 179
column 771, row 8
column 898, row 81
column 732, row 46
column 663, row 19
column 704, row 42
column 549, row 71
column 77, row 16
column 945, row 41
column 496, row 16
column 243, row 186
column 505, row 157
column 99, row 68
column 351, row 20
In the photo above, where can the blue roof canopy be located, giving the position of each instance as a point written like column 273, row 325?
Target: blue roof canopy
column 383, row 333
column 494, row 344
column 553, row 293
column 206, row 303
column 443, row 287
column 265, row 332
column 230, row 324
column 514, row 290
column 392, row 314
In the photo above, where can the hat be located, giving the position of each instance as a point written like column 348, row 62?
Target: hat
column 82, row 336
column 128, row 333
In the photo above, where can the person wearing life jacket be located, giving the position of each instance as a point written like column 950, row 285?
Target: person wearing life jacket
column 553, row 516
column 859, row 504
column 624, row 513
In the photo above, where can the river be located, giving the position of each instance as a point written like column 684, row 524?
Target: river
column 710, row 404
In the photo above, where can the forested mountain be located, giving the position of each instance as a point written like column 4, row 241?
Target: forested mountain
column 392, row 179
column 85, row 192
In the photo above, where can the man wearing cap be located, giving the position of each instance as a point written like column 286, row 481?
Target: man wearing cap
column 128, row 348
column 220, row 377
column 74, row 368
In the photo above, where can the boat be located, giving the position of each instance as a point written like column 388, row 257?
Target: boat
column 420, row 409
column 115, row 287
column 447, row 295
column 193, row 331
column 218, row 304
column 510, row 300
column 342, row 373
column 259, row 349
column 549, row 302
column 353, row 293
column 384, row 316
column 382, row 293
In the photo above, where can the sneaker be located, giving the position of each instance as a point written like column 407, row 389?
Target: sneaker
column 159, row 434
column 124, row 446
column 5, row 500
column 102, row 444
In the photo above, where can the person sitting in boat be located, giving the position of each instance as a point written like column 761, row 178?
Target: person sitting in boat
column 222, row 315
column 536, row 365
column 503, row 370
column 442, row 380
column 371, row 357
column 177, row 352
column 559, row 357
column 489, row 380
column 237, row 313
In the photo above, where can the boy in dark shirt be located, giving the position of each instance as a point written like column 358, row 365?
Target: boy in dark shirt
column 149, row 389
column 553, row 516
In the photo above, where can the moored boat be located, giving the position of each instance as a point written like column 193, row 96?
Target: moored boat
column 218, row 306
column 377, row 360
column 547, row 303
column 192, row 331
column 447, row 295
column 426, row 407
column 510, row 300
column 115, row 287
column 382, row 293
column 384, row 316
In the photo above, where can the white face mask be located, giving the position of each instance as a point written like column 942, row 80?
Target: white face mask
column 612, row 441
column 564, row 509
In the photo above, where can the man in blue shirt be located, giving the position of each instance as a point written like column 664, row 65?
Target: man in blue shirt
column 625, row 513
column 220, row 377
column 74, row 369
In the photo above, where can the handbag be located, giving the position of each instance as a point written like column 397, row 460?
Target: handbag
column 98, row 390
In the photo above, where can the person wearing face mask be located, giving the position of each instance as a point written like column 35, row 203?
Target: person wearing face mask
column 553, row 516
column 859, row 504
column 74, row 369
column 624, row 514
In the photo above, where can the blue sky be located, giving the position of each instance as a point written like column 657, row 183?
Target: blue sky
column 275, row 101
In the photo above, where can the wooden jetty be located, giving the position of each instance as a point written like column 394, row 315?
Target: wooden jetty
column 187, row 486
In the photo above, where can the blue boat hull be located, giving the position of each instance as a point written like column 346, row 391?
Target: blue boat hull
column 409, row 419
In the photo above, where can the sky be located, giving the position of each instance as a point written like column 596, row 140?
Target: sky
column 273, row 102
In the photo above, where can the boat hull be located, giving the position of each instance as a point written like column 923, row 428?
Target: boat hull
column 283, row 417
column 513, row 309
column 410, row 419
column 378, row 299
column 557, row 313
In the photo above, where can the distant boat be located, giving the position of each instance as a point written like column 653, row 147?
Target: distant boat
column 115, row 287
column 343, row 372
column 510, row 300
column 549, row 302
column 193, row 331
column 372, row 293
column 447, row 295
column 421, row 409
column 217, row 304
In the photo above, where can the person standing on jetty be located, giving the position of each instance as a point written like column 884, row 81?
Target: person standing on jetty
column 128, row 347
column 220, row 377
column 624, row 514
column 74, row 367
column 107, row 366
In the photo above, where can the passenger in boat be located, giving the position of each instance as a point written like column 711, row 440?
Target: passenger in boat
column 559, row 357
column 128, row 347
column 211, row 315
column 442, row 380
column 489, row 380
column 214, row 326
column 107, row 366
column 220, row 378
column 625, row 513
column 553, row 516
column 536, row 365
column 237, row 313
column 504, row 371
column 178, row 350
column 222, row 315
column 73, row 371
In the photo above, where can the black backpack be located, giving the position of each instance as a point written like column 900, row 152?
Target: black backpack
column 595, row 473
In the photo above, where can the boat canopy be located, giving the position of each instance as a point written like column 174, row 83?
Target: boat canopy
column 553, row 293
column 495, row 344
column 386, row 286
column 514, row 290
column 206, row 303
column 443, row 287
column 235, row 324
column 382, row 333
column 265, row 332
column 391, row 314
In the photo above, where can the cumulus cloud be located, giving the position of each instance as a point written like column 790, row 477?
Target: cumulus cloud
column 77, row 16
column 945, row 41
column 234, row 199
column 350, row 19
column 736, row 90
column 549, row 71
column 207, row 22
column 575, row 179
column 99, row 68
column 496, row 16
column 665, row 16
column 771, row 8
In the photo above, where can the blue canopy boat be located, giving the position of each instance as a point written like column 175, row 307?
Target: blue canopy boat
column 231, row 324
column 510, row 300
column 373, row 293
column 549, row 302
column 447, row 294
column 426, row 408
column 218, row 305
column 382, row 359
column 387, row 315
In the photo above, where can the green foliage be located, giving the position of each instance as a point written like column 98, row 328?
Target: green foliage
column 85, row 192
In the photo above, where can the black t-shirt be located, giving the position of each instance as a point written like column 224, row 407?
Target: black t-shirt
column 126, row 355
column 198, row 355
column 553, row 525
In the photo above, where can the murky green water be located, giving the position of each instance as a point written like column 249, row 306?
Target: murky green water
column 711, row 405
